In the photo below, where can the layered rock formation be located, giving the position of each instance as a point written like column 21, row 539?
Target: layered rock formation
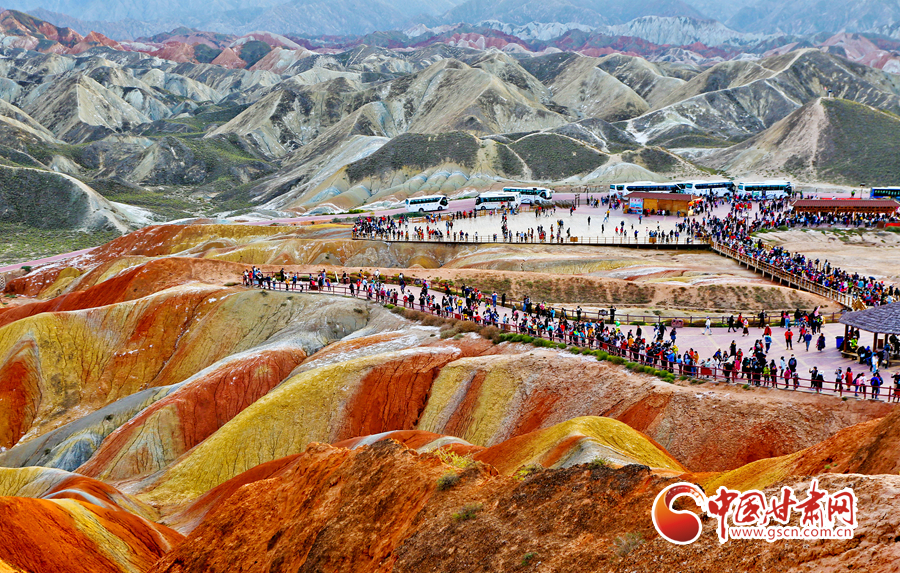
column 138, row 393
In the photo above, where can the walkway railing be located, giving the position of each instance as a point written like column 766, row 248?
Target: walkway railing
column 718, row 320
column 700, row 372
column 618, row 241
column 799, row 282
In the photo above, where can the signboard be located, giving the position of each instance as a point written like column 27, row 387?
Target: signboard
column 635, row 204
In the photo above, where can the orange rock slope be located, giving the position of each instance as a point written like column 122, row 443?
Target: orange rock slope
column 385, row 508
column 52, row 520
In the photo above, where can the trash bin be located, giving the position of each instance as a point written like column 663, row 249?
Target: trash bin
column 839, row 340
column 573, row 239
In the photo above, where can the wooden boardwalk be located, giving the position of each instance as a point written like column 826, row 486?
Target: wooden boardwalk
column 776, row 274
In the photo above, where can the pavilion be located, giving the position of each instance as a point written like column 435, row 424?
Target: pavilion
column 879, row 320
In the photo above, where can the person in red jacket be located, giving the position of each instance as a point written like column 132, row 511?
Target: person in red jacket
column 788, row 338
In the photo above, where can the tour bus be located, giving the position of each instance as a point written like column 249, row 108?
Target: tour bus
column 644, row 186
column 531, row 195
column 885, row 193
column 765, row 189
column 426, row 203
column 496, row 200
column 704, row 188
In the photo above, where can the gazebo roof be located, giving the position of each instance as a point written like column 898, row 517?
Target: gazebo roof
column 884, row 319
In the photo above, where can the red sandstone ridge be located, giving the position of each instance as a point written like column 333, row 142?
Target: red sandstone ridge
column 229, row 59
column 177, row 423
column 379, row 509
column 93, row 40
column 69, row 536
column 130, row 284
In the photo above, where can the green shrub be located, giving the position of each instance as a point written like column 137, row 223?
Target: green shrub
column 447, row 481
column 526, row 471
column 467, row 512
column 628, row 543
column 528, row 558
column 451, row 458
column 598, row 462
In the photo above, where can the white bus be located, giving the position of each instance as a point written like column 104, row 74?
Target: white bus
column 705, row 188
column 764, row 189
column 885, row 193
column 497, row 200
column 644, row 186
column 531, row 195
column 426, row 203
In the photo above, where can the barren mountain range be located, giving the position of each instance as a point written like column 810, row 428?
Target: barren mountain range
column 203, row 124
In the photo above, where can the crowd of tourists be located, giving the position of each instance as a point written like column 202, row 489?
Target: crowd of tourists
column 655, row 345
column 736, row 229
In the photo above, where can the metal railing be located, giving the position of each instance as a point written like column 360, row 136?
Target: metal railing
column 718, row 320
column 472, row 239
column 661, row 242
column 696, row 371
column 802, row 283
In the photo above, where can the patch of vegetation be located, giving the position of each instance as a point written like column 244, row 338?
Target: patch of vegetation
column 206, row 54
column 525, row 472
column 13, row 158
column 598, row 463
column 696, row 140
column 21, row 242
column 546, row 68
column 655, row 159
column 860, row 144
column 45, row 153
column 447, row 481
column 627, row 543
column 166, row 204
column 508, row 162
column 553, row 157
column 451, row 458
column 253, row 51
column 528, row 558
column 418, row 151
column 467, row 512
